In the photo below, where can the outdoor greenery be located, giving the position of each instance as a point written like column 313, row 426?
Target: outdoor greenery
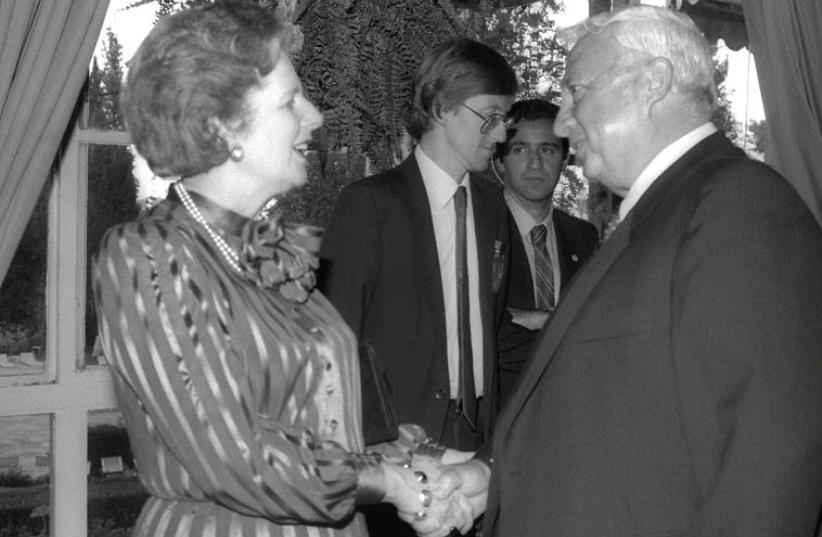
column 15, row 477
column 23, row 291
column 525, row 35
column 112, row 190
column 756, row 131
column 365, row 107
column 723, row 117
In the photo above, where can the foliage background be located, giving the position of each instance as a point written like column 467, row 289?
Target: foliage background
column 357, row 64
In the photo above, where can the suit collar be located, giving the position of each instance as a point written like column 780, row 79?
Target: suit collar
column 424, row 243
column 439, row 186
column 565, row 238
column 703, row 155
column 523, row 218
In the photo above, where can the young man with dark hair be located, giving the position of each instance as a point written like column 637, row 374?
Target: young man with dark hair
column 547, row 245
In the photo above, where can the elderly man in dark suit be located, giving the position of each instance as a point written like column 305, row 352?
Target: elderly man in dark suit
column 548, row 245
column 676, row 389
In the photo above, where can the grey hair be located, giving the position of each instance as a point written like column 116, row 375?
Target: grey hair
column 647, row 32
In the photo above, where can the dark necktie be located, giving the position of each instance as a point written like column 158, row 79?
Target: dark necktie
column 467, row 396
column 543, row 268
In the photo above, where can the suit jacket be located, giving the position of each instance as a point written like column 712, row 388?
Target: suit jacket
column 677, row 390
column 381, row 270
column 577, row 240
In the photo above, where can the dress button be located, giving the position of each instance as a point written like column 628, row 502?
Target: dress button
column 334, row 424
column 329, row 390
column 441, row 394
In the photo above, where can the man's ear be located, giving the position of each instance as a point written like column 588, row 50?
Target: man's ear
column 437, row 112
column 657, row 79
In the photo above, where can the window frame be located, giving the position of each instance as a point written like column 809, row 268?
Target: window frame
column 66, row 390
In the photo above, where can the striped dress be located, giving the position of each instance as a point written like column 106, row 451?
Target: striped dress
column 242, row 406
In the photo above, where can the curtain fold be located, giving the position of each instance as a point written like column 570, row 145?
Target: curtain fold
column 45, row 50
column 785, row 39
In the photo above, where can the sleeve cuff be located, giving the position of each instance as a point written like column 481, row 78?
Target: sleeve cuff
column 370, row 479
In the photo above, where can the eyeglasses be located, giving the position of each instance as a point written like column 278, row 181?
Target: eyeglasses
column 490, row 123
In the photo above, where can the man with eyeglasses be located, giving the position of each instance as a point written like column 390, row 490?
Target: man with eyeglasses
column 389, row 252
column 390, row 256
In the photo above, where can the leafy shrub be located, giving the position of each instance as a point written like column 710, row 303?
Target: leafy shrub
column 15, row 477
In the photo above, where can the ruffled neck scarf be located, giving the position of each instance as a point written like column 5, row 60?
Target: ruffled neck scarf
column 272, row 253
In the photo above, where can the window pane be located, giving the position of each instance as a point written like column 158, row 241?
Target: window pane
column 25, row 453
column 23, row 299
column 115, row 495
column 112, row 199
column 127, row 23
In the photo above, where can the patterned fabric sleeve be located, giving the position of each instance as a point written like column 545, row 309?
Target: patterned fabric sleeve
column 165, row 327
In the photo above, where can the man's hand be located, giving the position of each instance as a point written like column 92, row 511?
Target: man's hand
column 467, row 479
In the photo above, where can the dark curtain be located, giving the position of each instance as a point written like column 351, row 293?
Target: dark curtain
column 786, row 41
column 45, row 50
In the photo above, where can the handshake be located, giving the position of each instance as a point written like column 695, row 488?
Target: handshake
column 438, row 496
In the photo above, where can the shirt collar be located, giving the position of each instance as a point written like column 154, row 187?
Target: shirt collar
column 661, row 162
column 439, row 186
column 525, row 222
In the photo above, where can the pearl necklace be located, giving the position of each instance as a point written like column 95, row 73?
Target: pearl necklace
column 222, row 246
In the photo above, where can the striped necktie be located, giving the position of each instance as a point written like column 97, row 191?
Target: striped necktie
column 543, row 269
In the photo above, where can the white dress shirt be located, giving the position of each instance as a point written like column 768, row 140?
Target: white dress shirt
column 661, row 162
column 525, row 222
column 440, row 188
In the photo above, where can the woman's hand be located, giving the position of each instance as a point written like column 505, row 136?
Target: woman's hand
column 409, row 490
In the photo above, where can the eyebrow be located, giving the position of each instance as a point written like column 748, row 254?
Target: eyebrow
column 520, row 142
column 512, row 145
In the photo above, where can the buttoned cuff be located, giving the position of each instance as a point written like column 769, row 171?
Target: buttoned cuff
column 371, row 485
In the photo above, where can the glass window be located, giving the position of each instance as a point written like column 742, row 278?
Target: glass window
column 25, row 464
column 115, row 495
column 112, row 199
column 23, row 299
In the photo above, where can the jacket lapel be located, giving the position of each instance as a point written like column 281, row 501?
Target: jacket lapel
column 566, row 235
column 486, row 228
column 424, row 245
column 551, row 336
